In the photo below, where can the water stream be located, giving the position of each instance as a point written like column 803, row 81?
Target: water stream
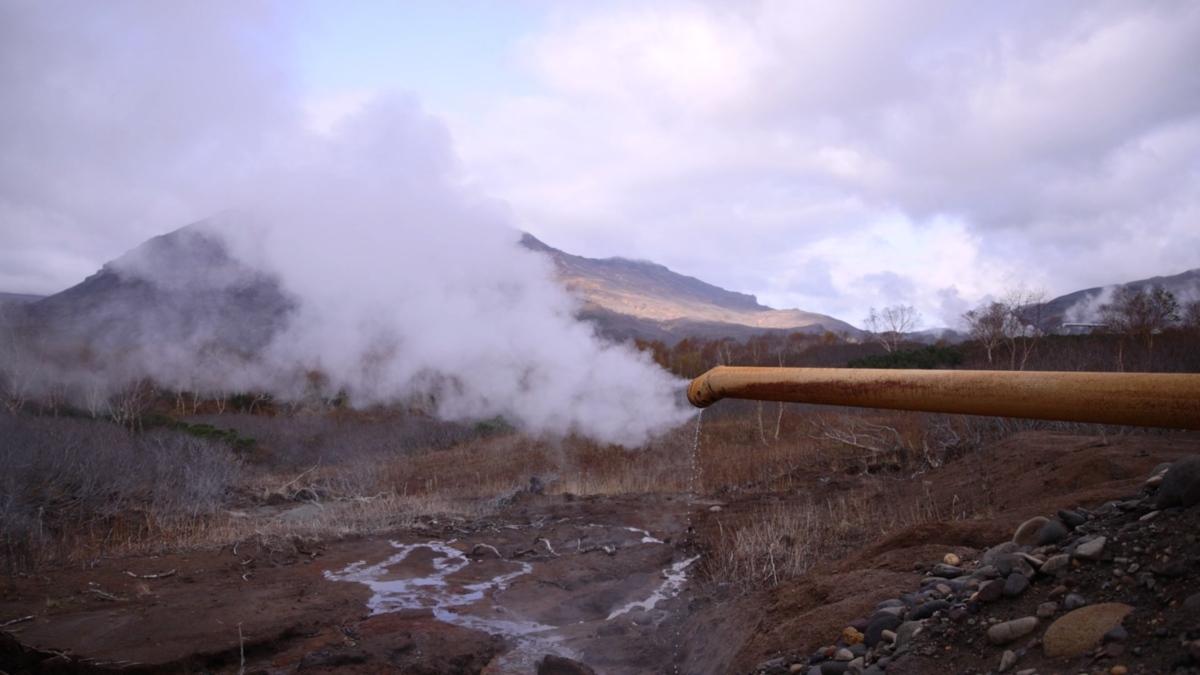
column 500, row 595
column 568, row 586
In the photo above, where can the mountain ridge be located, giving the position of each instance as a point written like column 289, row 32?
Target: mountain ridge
column 642, row 299
column 178, row 279
column 1185, row 286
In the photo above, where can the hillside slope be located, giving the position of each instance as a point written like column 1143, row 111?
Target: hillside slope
column 180, row 288
column 632, row 298
column 1084, row 305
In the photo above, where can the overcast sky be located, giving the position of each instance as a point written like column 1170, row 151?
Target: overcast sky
column 826, row 156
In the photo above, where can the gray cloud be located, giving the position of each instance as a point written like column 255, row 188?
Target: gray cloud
column 121, row 118
column 1053, row 144
column 1058, row 140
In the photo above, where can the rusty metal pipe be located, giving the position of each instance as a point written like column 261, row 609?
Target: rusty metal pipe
column 1169, row 400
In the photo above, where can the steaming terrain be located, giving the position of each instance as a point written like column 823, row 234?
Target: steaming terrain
column 350, row 420
column 1082, row 306
column 627, row 584
column 211, row 462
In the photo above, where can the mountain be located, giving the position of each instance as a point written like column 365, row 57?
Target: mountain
column 18, row 298
column 178, row 289
column 183, row 292
column 633, row 298
column 1084, row 306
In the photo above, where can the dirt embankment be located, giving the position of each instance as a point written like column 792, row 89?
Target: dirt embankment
column 1031, row 474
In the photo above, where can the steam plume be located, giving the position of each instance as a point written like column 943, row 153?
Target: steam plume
column 406, row 282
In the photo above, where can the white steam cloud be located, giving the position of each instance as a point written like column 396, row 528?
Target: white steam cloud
column 1087, row 308
column 408, row 283
column 128, row 119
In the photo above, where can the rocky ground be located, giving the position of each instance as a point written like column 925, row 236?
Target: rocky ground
column 1115, row 589
column 566, row 581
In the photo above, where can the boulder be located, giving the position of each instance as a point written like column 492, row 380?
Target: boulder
column 1074, row 633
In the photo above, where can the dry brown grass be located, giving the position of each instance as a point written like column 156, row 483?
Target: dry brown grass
column 776, row 542
column 369, row 475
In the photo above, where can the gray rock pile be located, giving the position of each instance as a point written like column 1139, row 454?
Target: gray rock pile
column 1114, row 590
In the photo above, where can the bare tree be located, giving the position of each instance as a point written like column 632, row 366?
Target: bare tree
column 1025, row 318
column 1015, row 321
column 21, row 359
column 989, row 323
column 1190, row 315
column 1140, row 313
column 129, row 403
column 891, row 324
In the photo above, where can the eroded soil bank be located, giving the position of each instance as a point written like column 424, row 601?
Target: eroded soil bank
column 605, row 581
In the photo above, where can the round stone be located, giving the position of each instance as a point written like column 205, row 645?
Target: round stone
column 1055, row 563
column 874, row 632
column 1027, row 533
column 1071, row 519
column 1007, row 660
column 1181, row 484
column 834, row 667
column 989, row 556
column 907, row 631
column 1052, row 532
column 1074, row 601
column 1015, row 584
column 1008, row 631
column 927, row 610
column 1076, row 632
column 1192, row 603
column 1091, row 549
column 1116, row 634
column 946, row 571
column 991, row 591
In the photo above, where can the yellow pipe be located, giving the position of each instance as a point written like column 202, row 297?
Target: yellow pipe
column 1170, row 400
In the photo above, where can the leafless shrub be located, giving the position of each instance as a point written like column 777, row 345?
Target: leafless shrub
column 189, row 476
column 336, row 438
column 59, row 479
column 69, row 487
column 873, row 441
column 782, row 541
column 22, row 359
column 127, row 404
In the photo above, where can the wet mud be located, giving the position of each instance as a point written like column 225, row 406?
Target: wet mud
column 597, row 581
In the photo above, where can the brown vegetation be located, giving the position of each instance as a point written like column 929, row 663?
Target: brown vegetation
column 144, row 470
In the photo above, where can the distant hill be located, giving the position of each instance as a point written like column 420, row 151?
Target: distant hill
column 1084, row 306
column 182, row 292
column 18, row 298
column 633, row 298
column 184, row 289
column 177, row 290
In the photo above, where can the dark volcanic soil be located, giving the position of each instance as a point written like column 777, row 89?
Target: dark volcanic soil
column 589, row 579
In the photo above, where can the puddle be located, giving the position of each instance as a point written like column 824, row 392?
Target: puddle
column 457, row 589
column 546, row 604
column 671, row 585
column 434, row 581
column 646, row 538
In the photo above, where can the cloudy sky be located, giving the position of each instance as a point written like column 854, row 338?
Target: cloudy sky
column 826, row 156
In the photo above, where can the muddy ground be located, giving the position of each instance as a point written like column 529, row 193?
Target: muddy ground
column 607, row 582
